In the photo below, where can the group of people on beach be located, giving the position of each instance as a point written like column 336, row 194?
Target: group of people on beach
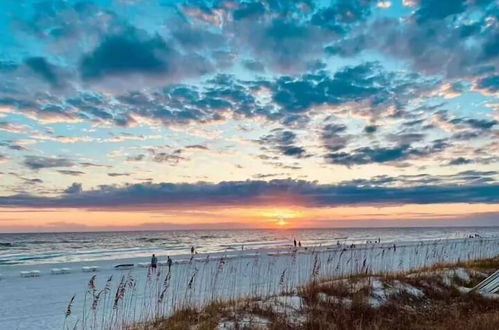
column 169, row 261
column 154, row 262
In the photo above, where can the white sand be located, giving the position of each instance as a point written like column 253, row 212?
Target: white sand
column 40, row 303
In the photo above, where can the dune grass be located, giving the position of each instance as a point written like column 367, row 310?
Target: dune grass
column 317, row 288
column 347, row 304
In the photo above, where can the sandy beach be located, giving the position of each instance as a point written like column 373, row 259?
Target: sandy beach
column 41, row 302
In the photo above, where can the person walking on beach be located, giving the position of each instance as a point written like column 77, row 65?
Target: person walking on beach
column 192, row 250
column 299, row 244
column 154, row 262
column 169, row 263
column 294, row 241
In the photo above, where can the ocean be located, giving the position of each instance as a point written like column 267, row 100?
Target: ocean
column 39, row 248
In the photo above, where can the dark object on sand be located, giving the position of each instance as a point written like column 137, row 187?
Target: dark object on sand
column 154, row 261
column 169, row 263
column 124, row 266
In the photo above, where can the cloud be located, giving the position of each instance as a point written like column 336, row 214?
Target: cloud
column 12, row 128
column 369, row 129
column 283, row 142
column 114, row 174
column 12, row 145
column 489, row 84
column 135, row 158
column 480, row 124
column 197, row 146
column 153, row 58
column 71, row 172
column 43, row 69
column 90, row 164
column 289, row 99
column 384, row 4
column 438, row 38
column 125, row 53
column 460, row 161
column 410, row 3
column 254, row 66
column 34, row 181
column 465, row 178
column 438, row 10
column 171, row 157
column 75, row 188
column 366, row 84
column 331, row 137
column 368, row 155
column 274, row 192
column 40, row 162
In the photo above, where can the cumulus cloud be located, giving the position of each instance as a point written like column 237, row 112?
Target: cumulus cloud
column 286, row 64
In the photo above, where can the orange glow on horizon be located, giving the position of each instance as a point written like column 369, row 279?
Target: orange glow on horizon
column 64, row 219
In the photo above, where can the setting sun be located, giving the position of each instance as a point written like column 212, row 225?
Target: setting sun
column 281, row 216
column 281, row 222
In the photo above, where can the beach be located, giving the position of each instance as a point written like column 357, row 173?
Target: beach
column 41, row 302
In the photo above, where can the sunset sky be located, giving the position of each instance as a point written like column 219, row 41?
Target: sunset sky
column 162, row 114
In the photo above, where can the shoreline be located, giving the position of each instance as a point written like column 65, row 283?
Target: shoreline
column 8, row 270
column 62, row 248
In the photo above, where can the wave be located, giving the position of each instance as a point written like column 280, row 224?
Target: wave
column 22, row 258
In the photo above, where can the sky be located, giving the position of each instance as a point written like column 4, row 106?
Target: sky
column 159, row 114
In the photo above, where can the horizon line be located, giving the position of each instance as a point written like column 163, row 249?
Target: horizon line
column 241, row 229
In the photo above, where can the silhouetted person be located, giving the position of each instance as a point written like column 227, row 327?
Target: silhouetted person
column 169, row 263
column 192, row 250
column 299, row 244
column 154, row 262
column 294, row 241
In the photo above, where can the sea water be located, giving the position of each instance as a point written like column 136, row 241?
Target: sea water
column 38, row 248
